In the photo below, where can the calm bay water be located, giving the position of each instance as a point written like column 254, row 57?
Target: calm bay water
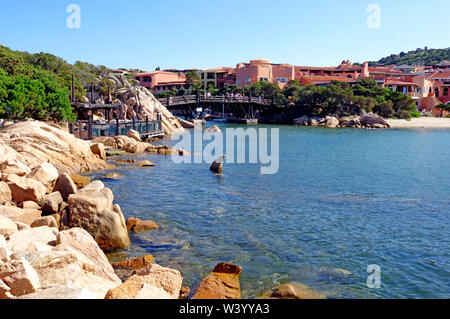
column 342, row 199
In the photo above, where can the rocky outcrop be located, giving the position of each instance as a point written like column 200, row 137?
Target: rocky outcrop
column 32, row 143
column 140, row 102
column 113, row 175
column 136, row 224
column 152, row 282
column 134, row 263
column 106, row 141
column 40, row 262
column 217, row 165
column 145, row 163
column 184, row 292
column 134, row 135
column 371, row 120
column 67, row 268
column 132, row 146
column 222, row 283
column 213, row 129
column 186, row 124
column 99, row 150
column 294, row 290
column 368, row 120
column 92, row 209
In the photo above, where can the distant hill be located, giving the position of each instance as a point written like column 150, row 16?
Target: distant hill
column 420, row 56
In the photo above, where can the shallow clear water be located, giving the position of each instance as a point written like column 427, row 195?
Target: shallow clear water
column 342, row 199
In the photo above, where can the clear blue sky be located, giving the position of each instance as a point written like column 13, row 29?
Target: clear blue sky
column 210, row 33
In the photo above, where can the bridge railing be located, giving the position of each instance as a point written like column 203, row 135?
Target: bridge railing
column 192, row 99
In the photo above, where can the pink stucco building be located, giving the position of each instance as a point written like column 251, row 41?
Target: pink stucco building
column 280, row 74
column 161, row 81
column 263, row 70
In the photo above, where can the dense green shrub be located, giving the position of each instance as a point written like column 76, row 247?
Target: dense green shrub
column 29, row 91
column 341, row 99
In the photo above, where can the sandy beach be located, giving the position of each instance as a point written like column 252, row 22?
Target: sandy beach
column 423, row 122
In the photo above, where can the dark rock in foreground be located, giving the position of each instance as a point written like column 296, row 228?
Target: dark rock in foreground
column 222, row 283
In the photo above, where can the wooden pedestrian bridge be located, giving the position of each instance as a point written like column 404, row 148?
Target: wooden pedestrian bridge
column 189, row 100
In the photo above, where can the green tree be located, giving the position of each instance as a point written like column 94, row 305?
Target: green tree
column 192, row 78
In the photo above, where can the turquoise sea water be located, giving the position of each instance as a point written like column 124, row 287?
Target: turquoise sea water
column 342, row 199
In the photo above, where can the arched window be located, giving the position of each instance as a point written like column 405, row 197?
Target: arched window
column 436, row 92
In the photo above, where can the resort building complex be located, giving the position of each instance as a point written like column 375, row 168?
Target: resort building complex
column 428, row 86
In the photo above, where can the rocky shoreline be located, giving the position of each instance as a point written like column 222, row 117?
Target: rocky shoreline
column 368, row 121
column 56, row 225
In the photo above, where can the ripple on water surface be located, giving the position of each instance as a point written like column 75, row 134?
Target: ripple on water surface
column 342, row 200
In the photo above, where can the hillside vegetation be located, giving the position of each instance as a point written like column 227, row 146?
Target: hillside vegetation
column 420, row 56
column 38, row 85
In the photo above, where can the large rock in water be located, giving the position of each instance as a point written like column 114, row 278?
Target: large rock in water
column 33, row 142
column 134, row 135
column 213, row 129
column 92, row 209
column 302, row 121
column 136, row 224
column 152, row 282
column 217, row 165
column 222, row 283
column 295, row 290
column 185, row 124
column 373, row 120
column 134, row 263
